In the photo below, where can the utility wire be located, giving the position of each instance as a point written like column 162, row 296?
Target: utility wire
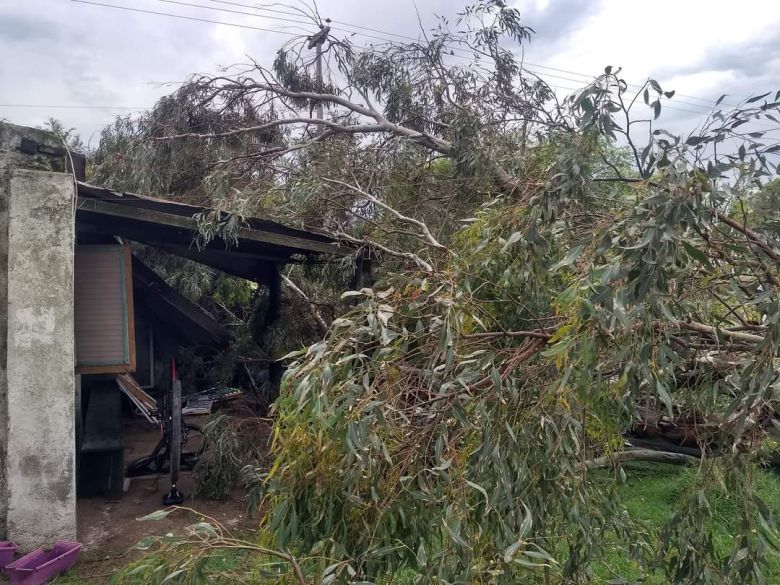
column 74, row 106
column 168, row 14
column 351, row 25
column 228, row 10
column 279, row 18
column 264, row 8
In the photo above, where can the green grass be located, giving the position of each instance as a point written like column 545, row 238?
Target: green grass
column 652, row 493
column 69, row 580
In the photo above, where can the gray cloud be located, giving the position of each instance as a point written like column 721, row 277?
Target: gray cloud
column 757, row 59
column 555, row 22
column 18, row 28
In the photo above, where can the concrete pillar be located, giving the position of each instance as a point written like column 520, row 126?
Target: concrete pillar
column 5, row 183
column 37, row 424
column 40, row 458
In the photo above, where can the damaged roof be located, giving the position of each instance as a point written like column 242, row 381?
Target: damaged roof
column 184, row 318
column 261, row 245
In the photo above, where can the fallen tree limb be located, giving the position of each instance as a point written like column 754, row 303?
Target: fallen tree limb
column 662, row 444
column 751, row 236
column 427, row 235
column 292, row 286
column 738, row 336
column 640, row 455
column 538, row 334
column 728, row 334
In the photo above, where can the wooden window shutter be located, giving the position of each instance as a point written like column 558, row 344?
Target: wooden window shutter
column 105, row 328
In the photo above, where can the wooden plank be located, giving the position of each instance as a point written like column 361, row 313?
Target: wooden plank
column 130, row 304
column 116, row 369
column 188, row 223
column 130, row 385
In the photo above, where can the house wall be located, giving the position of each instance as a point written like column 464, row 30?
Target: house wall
column 37, row 393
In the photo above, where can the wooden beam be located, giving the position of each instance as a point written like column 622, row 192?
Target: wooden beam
column 94, row 225
column 244, row 265
column 274, row 283
column 254, row 269
column 167, row 304
column 189, row 223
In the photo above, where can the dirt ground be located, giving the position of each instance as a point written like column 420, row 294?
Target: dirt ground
column 110, row 529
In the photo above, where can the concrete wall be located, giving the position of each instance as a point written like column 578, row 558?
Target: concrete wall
column 40, row 470
column 37, row 444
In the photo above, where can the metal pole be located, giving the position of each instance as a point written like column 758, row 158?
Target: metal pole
column 318, row 65
column 315, row 42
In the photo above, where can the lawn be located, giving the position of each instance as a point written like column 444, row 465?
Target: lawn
column 653, row 491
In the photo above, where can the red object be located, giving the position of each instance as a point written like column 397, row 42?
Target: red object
column 173, row 370
column 40, row 565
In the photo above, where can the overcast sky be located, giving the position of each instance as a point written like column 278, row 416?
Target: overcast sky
column 62, row 53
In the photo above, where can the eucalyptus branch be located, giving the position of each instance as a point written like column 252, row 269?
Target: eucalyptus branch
column 416, row 222
column 727, row 333
column 425, row 266
column 292, row 286
column 752, row 236
column 538, row 334
column 336, row 126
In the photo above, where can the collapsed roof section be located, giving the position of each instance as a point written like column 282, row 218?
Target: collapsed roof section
column 262, row 246
column 184, row 318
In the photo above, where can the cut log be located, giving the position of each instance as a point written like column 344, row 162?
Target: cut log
column 640, row 455
column 659, row 444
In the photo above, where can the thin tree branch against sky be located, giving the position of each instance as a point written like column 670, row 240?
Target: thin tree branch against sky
column 67, row 54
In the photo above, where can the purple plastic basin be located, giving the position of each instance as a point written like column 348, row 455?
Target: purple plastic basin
column 41, row 565
column 7, row 552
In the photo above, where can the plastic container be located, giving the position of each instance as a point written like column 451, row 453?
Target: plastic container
column 41, row 565
column 7, row 552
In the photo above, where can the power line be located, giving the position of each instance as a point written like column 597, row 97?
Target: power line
column 351, row 25
column 635, row 85
column 298, row 12
column 168, row 14
column 74, row 106
column 231, row 11
column 228, row 10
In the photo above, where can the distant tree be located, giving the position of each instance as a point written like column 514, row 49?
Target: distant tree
column 69, row 136
column 766, row 201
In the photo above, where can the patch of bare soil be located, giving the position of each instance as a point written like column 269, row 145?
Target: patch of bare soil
column 109, row 529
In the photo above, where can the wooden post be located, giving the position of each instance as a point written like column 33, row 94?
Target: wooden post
column 363, row 270
column 273, row 312
column 274, row 284
column 315, row 42
column 318, row 66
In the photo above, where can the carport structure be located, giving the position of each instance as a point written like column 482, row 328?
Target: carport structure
column 47, row 214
